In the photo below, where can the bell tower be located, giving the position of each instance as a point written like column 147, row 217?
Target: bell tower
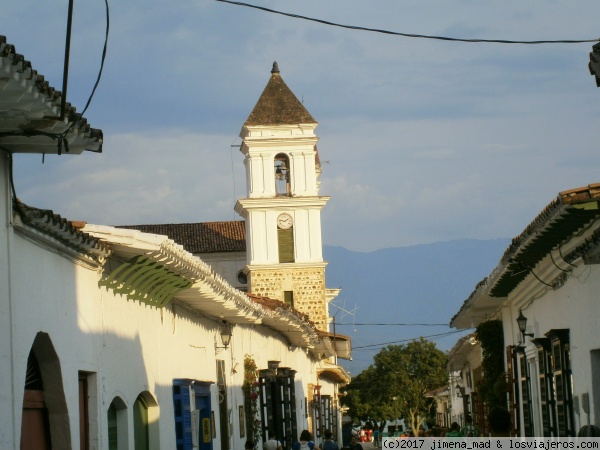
column 282, row 209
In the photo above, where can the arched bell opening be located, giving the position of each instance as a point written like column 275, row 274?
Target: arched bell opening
column 282, row 175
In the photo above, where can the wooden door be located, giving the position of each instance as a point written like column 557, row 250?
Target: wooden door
column 35, row 430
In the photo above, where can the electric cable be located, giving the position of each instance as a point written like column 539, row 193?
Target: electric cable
column 439, row 335
column 395, row 324
column 61, row 137
column 409, row 35
column 102, row 60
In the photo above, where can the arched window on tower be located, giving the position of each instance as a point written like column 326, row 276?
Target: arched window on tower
column 282, row 175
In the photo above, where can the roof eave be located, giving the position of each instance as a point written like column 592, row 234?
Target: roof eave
column 31, row 109
column 559, row 225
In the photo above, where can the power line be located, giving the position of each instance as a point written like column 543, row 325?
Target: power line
column 409, row 35
column 439, row 335
column 395, row 324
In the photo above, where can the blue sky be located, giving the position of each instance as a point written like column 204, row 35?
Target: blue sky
column 423, row 140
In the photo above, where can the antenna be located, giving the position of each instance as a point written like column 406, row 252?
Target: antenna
column 231, row 147
column 345, row 312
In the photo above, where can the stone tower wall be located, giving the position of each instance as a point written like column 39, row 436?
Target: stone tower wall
column 308, row 285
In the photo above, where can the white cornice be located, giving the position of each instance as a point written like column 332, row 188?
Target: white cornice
column 279, row 203
column 281, row 266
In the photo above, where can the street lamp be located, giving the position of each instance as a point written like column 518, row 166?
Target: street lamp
column 225, row 335
column 522, row 323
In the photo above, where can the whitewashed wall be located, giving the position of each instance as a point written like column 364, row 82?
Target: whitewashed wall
column 574, row 306
column 127, row 347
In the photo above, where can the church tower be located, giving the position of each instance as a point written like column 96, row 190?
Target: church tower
column 282, row 209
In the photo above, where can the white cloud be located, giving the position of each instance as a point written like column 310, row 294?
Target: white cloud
column 426, row 140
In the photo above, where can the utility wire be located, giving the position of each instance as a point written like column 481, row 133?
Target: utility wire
column 64, row 133
column 395, row 33
column 395, row 324
column 448, row 333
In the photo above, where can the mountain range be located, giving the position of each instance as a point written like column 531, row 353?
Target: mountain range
column 394, row 295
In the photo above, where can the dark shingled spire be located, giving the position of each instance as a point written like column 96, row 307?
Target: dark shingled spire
column 278, row 105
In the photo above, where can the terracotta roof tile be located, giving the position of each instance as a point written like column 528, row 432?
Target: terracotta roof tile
column 206, row 237
column 30, row 108
column 65, row 231
column 274, row 305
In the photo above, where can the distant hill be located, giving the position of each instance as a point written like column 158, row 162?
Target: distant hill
column 424, row 284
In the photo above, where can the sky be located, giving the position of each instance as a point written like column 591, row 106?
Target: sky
column 421, row 140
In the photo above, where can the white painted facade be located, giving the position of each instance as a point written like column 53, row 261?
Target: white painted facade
column 114, row 319
column 549, row 274
column 465, row 373
column 573, row 307
column 261, row 229
column 228, row 266
column 123, row 347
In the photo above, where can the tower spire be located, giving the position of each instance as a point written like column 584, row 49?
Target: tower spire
column 275, row 68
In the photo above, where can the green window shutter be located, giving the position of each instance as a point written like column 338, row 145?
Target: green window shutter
column 286, row 245
column 288, row 297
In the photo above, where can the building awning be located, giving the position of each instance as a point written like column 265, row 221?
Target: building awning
column 566, row 231
column 335, row 374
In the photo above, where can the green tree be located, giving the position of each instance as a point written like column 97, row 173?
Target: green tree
column 493, row 386
column 395, row 384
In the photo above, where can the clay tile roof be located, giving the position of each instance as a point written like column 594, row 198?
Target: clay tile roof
column 274, row 305
column 30, row 110
column 67, row 232
column 207, row 237
column 278, row 105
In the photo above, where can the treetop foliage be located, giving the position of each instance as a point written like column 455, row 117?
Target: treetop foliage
column 394, row 385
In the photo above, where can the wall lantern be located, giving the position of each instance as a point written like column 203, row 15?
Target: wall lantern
column 522, row 323
column 225, row 335
column 459, row 390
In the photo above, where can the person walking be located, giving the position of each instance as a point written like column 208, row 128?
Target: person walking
column 499, row 421
column 305, row 442
column 469, row 430
column 376, row 436
column 355, row 445
column 329, row 443
column 454, row 430
column 272, row 443
column 589, row 431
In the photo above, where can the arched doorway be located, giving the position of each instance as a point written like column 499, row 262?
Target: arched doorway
column 116, row 418
column 45, row 421
column 145, row 422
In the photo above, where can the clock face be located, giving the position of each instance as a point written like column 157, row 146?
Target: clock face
column 284, row 221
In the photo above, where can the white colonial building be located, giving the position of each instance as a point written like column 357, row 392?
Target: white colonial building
column 545, row 293
column 116, row 338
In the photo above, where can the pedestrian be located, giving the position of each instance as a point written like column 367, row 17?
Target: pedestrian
column 499, row 422
column 329, row 444
column 355, row 445
column 305, row 442
column 454, row 430
column 589, row 431
column 469, row 430
column 376, row 436
column 272, row 443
